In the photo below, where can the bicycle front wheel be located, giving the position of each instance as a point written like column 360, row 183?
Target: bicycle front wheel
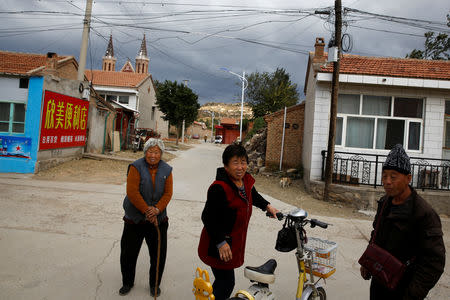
column 320, row 294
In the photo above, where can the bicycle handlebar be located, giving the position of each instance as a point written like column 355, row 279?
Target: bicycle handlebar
column 279, row 215
column 315, row 222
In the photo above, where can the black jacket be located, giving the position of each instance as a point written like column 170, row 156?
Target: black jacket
column 217, row 216
column 412, row 232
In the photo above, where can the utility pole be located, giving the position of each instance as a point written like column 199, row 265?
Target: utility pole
column 212, row 126
column 182, row 130
column 242, row 106
column 84, row 40
column 334, row 99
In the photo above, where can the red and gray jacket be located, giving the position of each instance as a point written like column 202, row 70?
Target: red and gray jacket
column 225, row 218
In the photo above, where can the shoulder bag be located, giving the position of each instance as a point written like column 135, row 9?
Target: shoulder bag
column 381, row 264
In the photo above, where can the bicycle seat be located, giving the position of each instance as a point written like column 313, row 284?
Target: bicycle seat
column 263, row 274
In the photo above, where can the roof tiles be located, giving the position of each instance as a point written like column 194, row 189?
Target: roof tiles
column 393, row 67
column 118, row 79
column 22, row 63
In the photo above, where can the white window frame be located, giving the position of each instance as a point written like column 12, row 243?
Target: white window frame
column 377, row 117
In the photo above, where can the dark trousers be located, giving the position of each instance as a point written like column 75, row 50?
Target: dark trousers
column 132, row 237
column 223, row 283
column 379, row 292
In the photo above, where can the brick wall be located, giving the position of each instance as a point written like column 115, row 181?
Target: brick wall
column 293, row 139
column 68, row 71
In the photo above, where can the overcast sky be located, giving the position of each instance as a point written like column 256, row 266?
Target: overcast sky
column 194, row 39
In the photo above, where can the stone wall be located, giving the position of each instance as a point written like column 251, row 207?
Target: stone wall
column 366, row 197
column 256, row 151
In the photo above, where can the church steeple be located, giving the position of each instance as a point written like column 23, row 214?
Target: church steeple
column 110, row 49
column 143, row 51
column 109, row 61
column 142, row 59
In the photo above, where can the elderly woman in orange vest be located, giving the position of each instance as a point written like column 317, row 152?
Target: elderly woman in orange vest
column 225, row 217
column 149, row 190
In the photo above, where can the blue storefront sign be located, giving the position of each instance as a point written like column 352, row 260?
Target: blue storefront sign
column 15, row 146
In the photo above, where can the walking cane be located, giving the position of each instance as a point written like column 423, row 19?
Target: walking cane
column 157, row 260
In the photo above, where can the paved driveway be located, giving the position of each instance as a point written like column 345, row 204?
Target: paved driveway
column 61, row 240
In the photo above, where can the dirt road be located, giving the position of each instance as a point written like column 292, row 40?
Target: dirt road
column 61, row 240
column 110, row 171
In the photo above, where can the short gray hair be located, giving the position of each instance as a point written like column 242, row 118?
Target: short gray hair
column 151, row 142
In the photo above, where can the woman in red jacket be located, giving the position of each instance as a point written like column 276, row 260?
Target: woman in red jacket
column 225, row 217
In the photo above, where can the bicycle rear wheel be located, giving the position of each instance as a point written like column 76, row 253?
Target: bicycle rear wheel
column 321, row 294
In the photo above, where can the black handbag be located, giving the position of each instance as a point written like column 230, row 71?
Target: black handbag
column 382, row 265
column 286, row 238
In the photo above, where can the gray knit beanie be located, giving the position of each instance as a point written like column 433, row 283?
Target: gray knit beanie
column 398, row 160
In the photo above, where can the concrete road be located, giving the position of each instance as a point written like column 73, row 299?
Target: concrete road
column 61, row 240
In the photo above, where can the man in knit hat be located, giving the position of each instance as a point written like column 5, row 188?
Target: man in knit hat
column 410, row 230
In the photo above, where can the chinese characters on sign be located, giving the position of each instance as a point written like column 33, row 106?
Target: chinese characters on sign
column 64, row 121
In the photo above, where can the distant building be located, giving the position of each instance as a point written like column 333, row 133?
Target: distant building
column 228, row 129
column 131, row 91
column 292, row 142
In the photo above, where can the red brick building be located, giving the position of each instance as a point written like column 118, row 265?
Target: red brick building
column 228, row 129
column 293, row 138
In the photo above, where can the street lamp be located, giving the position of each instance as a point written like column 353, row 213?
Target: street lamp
column 244, row 86
column 212, row 124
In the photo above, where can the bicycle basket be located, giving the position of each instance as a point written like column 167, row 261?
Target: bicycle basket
column 286, row 238
column 323, row 254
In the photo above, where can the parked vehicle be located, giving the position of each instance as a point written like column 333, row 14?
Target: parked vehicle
column 195, row 136
column 218, row 139
column 145, row 134
column 136, row 142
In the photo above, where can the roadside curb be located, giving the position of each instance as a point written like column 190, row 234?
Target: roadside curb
column 103, row 156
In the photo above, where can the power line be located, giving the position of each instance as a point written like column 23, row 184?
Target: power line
column 388, row 31
column 418, row 23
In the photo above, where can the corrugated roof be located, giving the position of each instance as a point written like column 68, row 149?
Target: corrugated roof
column 118, row 79
column 21, row 63
column 392, row 67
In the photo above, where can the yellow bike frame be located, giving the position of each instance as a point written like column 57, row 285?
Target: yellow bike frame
column 301, row 278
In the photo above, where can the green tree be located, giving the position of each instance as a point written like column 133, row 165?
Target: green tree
column 269, row 92
column 437, row 46
column 177, row 102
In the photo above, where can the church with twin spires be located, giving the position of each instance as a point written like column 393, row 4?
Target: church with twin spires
column 130, row 90
column 142, row 60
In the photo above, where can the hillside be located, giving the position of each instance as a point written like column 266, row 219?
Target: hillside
column 222, row 110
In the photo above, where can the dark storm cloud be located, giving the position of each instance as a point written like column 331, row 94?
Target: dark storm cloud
column 195, row 56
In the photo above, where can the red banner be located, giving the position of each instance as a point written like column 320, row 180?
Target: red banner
column 64, row 121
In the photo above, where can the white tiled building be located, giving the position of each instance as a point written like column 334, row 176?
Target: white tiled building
column 382, row 102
